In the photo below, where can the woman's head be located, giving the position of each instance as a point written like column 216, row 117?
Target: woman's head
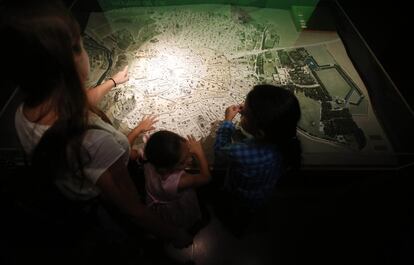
column 167, row 151
column 43, row 52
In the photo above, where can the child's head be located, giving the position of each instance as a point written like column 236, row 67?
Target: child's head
column 270, row 114
column 167, row 151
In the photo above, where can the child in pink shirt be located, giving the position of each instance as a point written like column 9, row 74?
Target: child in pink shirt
column 169, row 188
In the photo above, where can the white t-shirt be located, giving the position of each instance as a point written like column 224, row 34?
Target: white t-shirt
column 104, row 146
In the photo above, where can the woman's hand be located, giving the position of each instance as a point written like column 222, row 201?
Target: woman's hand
column 122, row 76
column 96, row 94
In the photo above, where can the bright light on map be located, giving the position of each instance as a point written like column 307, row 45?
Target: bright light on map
column 165, row 67
column 188, row 63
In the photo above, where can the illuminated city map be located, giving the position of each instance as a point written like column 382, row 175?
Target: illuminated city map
column 188, row 63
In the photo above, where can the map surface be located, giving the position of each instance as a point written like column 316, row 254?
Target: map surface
column 188, row 63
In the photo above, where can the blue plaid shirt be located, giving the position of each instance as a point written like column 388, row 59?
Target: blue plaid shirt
column 253, row 168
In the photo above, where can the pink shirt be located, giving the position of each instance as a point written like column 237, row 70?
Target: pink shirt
column 176, row 207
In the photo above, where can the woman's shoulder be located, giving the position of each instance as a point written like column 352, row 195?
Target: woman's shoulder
column 95, row 136
column 102, row 145
column 95, row 122
column 29, row 133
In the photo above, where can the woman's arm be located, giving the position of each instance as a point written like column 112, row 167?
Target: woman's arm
column 96, row 94
column 118, row 188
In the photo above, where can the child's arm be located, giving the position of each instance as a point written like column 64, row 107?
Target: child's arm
column 227, row 128
column 145, row 125
column 195, row 180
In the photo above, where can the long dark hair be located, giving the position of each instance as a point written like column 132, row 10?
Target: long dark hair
column 273, row 112
column 42, row 40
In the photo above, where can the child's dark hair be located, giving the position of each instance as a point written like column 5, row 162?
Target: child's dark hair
column 163, row 149
column 274, row 112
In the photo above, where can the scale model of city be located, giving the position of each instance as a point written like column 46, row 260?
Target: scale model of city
column 188, row 63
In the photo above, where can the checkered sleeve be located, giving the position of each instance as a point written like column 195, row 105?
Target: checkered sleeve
column 223, row 137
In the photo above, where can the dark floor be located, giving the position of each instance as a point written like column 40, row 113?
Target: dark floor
column 333, row 218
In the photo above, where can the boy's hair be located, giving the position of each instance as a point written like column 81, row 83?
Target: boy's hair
column 274, row 112
column 163, row 149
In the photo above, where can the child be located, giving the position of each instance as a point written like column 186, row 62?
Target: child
column 169, row 188
column 268, row 119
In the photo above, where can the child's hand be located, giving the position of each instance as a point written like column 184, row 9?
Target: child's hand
column 241, row 108
column 146, row 124
column 232, row 111
column 122, row 76
column 194, row 145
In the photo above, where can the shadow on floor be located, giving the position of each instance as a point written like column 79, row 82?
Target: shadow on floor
column 355, row 220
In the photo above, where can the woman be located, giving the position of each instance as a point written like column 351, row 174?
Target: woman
column 58, row 123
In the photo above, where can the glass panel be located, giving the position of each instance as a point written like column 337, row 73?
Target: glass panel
column 189, row 60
